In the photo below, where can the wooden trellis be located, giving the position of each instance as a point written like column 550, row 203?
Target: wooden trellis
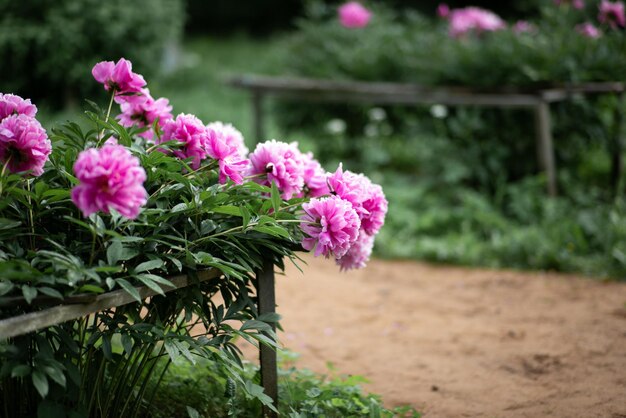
column 74, row 307
column 538, row 100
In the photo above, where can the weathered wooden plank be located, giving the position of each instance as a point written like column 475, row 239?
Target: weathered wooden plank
column 267, row 355
column 282, row 85
column 23, row 324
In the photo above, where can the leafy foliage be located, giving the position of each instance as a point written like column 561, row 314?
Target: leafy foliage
column 47, row 44
column 99, row 365
column 205, row 390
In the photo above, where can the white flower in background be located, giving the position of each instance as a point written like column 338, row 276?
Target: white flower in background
column 439, row 111
column 371, row 130
column 336, row 126
column 377, row 114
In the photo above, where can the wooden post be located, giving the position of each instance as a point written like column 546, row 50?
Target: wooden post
column 545, row 148
column 269, row 367
column 617, row 165
column 257, row 116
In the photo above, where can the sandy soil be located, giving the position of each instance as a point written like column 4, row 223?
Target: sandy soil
column 458, row 342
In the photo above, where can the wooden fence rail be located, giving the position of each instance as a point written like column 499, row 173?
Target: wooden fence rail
column 84, row 305
column 538, row 100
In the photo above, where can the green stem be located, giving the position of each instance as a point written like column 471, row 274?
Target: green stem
column 106, row 118
column 4, row 169
column 93, row 247
column 31, row 221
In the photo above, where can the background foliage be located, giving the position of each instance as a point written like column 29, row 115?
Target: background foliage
column 45, row 45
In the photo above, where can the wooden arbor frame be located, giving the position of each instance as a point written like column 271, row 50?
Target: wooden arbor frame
column 77, row 306
column 538, row 100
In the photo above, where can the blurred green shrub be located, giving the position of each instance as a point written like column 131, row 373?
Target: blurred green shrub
column 45, row 45
column 412, row 48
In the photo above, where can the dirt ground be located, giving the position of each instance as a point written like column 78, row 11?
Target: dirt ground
column 458, row 342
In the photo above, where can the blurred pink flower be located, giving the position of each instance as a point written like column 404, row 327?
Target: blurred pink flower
column 522, row 26
column 193, row 136
column 24, row 144
column 473, row 19
column 279, row 162
column 443, row 10
column 332, row 226
column 354, row 15
column 118, row 76
column 612, row 14
column 143, row 110
column 577, row 4
column 314, row 177
column 589, row 30
column 232, row 165
column 110, row 178
column 10, row 104
column 359, row 253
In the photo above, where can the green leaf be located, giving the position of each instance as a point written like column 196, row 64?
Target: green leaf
column 149, row 265
column 192, row 412
column 150, row 284
column 21, row 370
column 254, row 324
column 127, row 343
column 114, row 252
column 172, row 350
column 275, row 196
column 8, row 223
column 50, row 292
column 29, row 293
column 40, row 382
column 132, row 290
column 56, row 375
column 90, row 288
column 156, row 278
column 228, row 210
column 5, row 287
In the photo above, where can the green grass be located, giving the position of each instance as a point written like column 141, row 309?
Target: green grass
column 302, row 394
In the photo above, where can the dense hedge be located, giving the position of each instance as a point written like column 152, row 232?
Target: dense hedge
column 45, row 45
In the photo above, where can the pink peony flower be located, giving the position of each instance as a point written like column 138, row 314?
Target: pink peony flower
column 143, row 110
column 473, row 19
column 354, row 15
column 443, row 10
column 24, row 144
column 367, row 198
column 110, row 178
column 589, row 30
column 522, row 26
column 191, row 132
column 10, row 104
column 359, row 253
column 118, row 77
column 279, row 162
column 375, row 205
column 332, row 226
column 612, row 14
column 221, row 148
column 314, row 177
column 231, row 135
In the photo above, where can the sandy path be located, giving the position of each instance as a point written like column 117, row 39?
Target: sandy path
column 457, row 342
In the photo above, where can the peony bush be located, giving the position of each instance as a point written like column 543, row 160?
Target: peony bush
column 131, row 198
